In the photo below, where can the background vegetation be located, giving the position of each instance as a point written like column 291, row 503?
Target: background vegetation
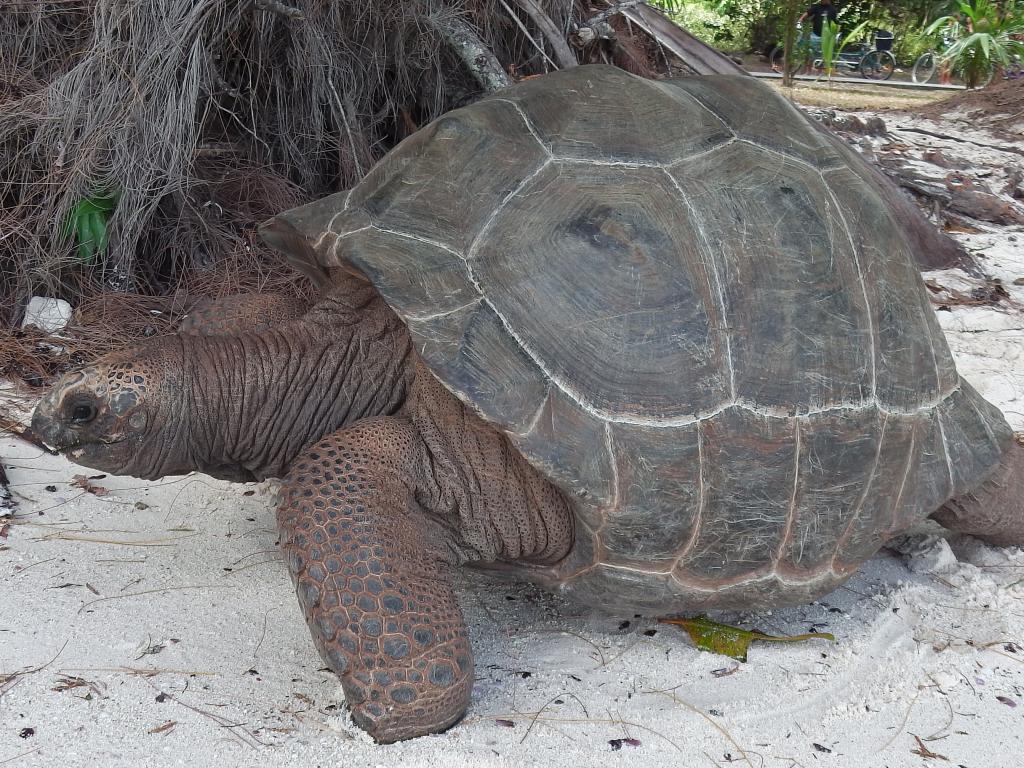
column 744, row 26
column 141, row 141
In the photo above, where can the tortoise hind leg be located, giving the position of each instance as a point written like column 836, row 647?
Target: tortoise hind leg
column 370, row 571
column 994, row 511
column 241, row 313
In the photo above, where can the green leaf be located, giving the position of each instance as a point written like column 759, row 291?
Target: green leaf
column 932, row 28
column 86, row 248
column 87, row 221
column 829, row 33
column 730, row 641
column 98, row 227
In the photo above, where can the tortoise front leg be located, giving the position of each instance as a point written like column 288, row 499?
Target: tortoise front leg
column 370, row 571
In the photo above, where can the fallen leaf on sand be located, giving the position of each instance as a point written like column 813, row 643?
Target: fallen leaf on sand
column 83, row 482
column 730, row 641
column 926, row 753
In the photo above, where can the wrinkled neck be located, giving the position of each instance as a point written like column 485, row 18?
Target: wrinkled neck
column 258, row 400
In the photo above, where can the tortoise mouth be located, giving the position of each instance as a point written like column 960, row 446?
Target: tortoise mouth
column 116, row 457
column 94, row 454
column 96, row 442
column 60, row 439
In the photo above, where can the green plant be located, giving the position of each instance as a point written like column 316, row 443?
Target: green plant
column 911, row 42
column 710, row 22
column 87, row 223
column 829, row 38
column 738, row 25
column 986, row 38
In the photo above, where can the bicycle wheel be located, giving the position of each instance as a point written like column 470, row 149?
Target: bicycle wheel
column 798, row 58
column 877, row 65
column 924, row 68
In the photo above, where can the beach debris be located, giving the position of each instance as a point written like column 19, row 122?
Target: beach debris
column 986, row 292
column 73, row 682
column 725, row 671
column 616, row 744
column 47, row 314
column 926, row 753
column 6, row 499
column 86, row 484
column 149, row 648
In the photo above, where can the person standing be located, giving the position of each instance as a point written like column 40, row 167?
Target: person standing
column 818, row 13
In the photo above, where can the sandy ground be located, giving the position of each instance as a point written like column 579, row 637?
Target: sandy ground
column 153, row 623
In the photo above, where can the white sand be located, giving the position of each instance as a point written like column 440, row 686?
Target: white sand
column 155, row 625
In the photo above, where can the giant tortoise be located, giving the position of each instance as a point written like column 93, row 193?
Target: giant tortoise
column 659, row 346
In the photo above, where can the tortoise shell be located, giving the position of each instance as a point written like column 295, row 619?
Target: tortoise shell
column 687, row 307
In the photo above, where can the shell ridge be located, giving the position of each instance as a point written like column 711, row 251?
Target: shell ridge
column 410, row 236
column 744, row 581
column 984, row 423
column 528, row 123
column 531, row 425
column 773, row 151
column 663, row 89
column 944, row 442
column 859, row 506
column 869, row 309
column 329, row 230
column 697, row 155
column 442, row 313
column 906, row 473
column 338, row 238
column 609, row 443
column 702, row 502
column 787, row 531
column 474, row 244
column 713, row 275
column 608, row 163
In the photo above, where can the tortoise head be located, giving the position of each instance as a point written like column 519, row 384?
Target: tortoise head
column 116, row 414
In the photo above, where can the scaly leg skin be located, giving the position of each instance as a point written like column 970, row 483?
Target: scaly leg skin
column 241, row 313
column 994, row 511
column 370, row 572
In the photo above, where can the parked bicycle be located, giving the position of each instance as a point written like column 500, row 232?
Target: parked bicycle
column 874, row 62
column 929, row 63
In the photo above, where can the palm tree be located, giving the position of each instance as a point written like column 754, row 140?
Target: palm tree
column 986, row 38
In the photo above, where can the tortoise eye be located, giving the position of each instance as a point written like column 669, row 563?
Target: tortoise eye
column 83, row 413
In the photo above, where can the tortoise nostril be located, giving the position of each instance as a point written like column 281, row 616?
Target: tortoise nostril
column 48, row 433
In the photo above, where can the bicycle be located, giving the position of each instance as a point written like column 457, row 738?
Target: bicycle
column 928, row 63
column 924, row 68
column 874, row 62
